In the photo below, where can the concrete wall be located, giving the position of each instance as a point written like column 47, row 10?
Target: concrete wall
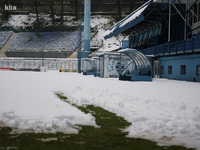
column 38, row 54
column 190, row 61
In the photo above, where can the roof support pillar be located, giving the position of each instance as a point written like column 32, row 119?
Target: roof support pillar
column 198, row 11
column 169, row 22
column 186, row 16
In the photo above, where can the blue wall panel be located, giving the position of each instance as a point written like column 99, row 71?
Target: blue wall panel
column 125, row 44
column 190, row 61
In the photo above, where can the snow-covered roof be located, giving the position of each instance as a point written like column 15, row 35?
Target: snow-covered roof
column 134, row 18
column 127, row 50
column 190, row 2
column 106, row 49
column 140, row 60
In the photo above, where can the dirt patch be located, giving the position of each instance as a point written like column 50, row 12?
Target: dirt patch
column 2, row 124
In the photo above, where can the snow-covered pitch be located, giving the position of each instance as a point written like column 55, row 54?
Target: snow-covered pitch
column 166, row 111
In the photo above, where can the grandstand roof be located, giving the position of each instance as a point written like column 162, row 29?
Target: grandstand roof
column 144, row 17
column 190, row 2
column 134, row 18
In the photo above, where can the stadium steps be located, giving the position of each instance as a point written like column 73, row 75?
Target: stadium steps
column 7, row 45
column 74, row 54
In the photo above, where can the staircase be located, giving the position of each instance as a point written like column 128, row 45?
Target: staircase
column 75, row 53
column 7, row 45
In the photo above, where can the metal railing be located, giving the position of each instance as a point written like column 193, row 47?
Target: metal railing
column 189, row 46
column 30, row 63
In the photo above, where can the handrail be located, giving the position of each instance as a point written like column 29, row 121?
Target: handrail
column 191, row 45
column 193, row 30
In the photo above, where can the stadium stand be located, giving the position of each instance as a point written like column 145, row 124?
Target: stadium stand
column 55, row 41
column 4, row 36
column 43, row 44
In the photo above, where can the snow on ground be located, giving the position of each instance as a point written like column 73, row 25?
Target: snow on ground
column 23, row 21
column 102, row 23
column 28, row 102
column 166, row 111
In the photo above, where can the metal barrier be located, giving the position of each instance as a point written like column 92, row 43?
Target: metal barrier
column 175, row 48
column 97, row 66
column 88, row 66
column 180, row 47
column 30, row 63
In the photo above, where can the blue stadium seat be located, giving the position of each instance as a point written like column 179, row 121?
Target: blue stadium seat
column 48, row 41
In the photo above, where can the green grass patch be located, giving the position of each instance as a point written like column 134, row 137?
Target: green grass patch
column 62, row 97
column 108, row 136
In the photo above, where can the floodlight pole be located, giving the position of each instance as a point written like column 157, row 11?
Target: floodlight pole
column 79, row 34
column 87, row 13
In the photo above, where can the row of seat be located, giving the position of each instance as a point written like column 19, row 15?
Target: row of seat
column 53, row 41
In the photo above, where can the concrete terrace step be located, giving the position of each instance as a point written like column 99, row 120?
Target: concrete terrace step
column 7, row 45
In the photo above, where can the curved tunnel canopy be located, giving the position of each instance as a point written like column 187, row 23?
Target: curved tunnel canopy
column 139, row 60
column 88, row 65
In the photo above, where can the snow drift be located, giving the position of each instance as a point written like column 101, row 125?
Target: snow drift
column 166, row 111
